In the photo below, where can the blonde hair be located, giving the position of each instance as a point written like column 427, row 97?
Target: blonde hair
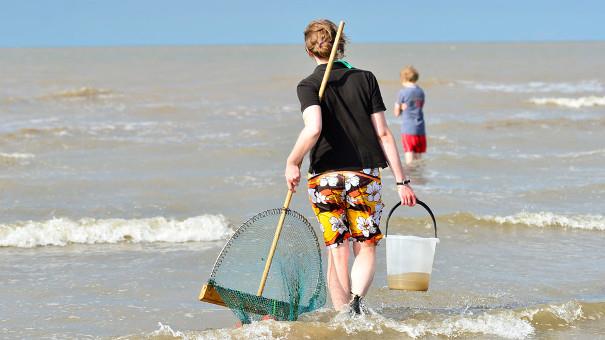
column 409, row 73
column 319, row 39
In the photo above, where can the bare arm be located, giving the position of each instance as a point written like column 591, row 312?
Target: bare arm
column 387, row 142
column 306, row 140
column 398, row 108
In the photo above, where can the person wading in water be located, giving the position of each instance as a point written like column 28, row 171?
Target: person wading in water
column 349, row 142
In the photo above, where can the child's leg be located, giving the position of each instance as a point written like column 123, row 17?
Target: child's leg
column 409, row 158
column 338, row 275
column 408, row 153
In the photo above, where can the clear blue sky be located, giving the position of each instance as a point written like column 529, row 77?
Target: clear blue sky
column 153, row 22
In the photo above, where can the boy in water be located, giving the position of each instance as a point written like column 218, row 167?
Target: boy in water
column 409, row 104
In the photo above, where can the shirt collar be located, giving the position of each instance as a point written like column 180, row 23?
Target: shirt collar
column 335, row 66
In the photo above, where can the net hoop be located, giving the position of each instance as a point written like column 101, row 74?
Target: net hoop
column 239, row 231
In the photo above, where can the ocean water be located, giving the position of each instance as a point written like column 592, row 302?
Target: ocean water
column 123, row 171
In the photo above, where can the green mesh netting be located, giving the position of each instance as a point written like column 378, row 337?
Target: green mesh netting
column 295, row 283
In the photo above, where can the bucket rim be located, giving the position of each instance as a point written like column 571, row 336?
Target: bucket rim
column 412, row 237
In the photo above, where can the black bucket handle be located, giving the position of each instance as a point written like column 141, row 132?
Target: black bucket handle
column 419, row 202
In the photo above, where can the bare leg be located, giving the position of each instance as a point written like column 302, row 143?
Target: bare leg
column 338, row 276
column 364, row 267
column 417, row 156
column 409, row 158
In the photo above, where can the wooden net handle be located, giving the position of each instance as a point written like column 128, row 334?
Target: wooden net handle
column 324, row 81
column 282, row 216
column 280, row 224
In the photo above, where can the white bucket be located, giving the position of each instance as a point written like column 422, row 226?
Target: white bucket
column 410, row 261
column 410, row 258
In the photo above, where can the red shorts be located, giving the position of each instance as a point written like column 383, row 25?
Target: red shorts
column 413, row 143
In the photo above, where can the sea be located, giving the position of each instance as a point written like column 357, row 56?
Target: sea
column 124, row 170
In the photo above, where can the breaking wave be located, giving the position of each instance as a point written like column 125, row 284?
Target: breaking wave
column 16, row 155
column 575, row 154
column 517, row 323
column 536, row 87
column 522, row 219
column 63, row 231
column 81, row 93
column 523, row 123
column 527, row 219
column 15, row 158
column 75, row 94
column 119, row 131
column 548, row 219
column 575, row 103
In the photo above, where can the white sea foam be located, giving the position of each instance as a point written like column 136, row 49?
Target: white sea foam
column 16, row 155
column 267, row 330
column 504, row 324
column 575, row 103
column 574, row 154
column 548, row 219
column 114, row 130
column 166, row 330
column 501, row 323
column 63, row 231
column 581, row 153
column 568, row 312
column 81, row 93
column 537, row 86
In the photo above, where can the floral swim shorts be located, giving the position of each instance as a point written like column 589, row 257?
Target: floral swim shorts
column 347, row 204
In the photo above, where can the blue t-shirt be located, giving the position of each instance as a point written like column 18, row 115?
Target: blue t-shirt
column 412, row 118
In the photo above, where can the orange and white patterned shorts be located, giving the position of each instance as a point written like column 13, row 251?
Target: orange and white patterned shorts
column 347, row 205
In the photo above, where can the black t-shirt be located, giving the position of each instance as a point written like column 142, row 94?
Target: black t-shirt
column 348, row 140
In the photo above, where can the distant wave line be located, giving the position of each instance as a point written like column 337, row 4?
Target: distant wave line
column 80, row 93
column 17, row 155
column 64, row 231
column 536, row 86
column 575, row 103
column 541, row 219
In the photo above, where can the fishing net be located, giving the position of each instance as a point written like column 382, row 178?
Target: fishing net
column 295, row 282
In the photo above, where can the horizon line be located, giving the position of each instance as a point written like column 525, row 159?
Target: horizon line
column 433, row 42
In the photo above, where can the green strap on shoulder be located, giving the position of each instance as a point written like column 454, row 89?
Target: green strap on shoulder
column 345, row 63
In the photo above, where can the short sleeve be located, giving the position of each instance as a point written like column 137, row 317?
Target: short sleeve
column 308, row 94
column 376, row 97
column 401, row 96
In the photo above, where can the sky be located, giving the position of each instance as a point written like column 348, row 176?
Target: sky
column 49, row 23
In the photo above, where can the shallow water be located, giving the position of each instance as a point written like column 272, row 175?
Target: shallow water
column 124, row 170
